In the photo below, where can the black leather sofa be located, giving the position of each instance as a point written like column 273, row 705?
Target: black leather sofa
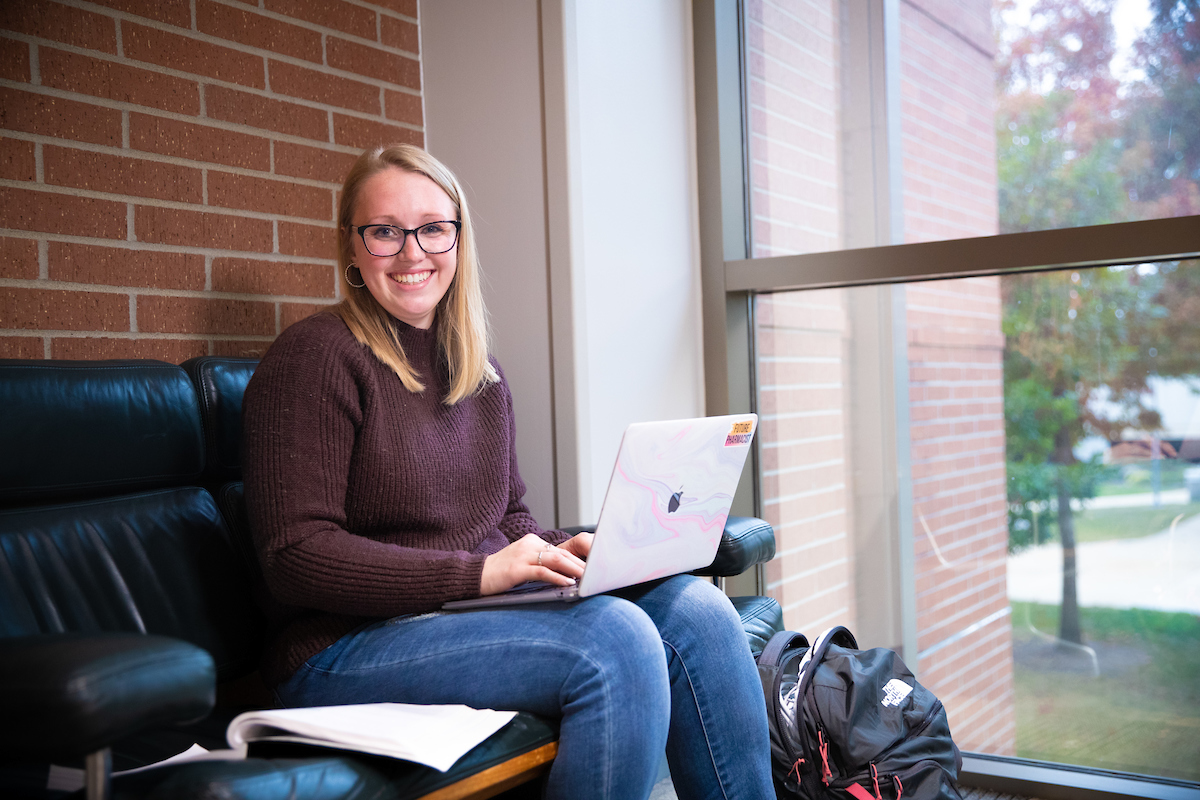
column 127, row 625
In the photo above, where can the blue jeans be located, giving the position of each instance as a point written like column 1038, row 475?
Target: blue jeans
column 663, row 665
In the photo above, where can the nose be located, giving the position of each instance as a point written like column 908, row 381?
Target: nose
column 412, row 250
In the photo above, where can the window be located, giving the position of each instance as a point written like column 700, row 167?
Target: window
column 854, row 167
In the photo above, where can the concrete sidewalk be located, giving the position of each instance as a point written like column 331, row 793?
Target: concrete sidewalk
column 1160, row 572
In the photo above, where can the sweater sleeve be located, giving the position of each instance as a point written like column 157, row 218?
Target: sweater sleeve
column 302, row 411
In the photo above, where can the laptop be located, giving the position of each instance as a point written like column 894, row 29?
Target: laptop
column 664, row 511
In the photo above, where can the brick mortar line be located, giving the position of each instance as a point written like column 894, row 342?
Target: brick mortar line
column 786, row 143
column 983, row 451
column 800, row 359
column 784, row 526
column 802, row 122
column 982, row 514
column 799, row 414
column 977, row 472
column 965, row 313
column 136, row 291
column 963, row 632
column 971, row 566
column 92, row 194
column 313, row 26
column 383, row 11
column 236, row 127
column 787, row 498
column 145, row 155
column 31, row 333
column 802, row 203
column 993, row 484
column 833, row 462
column 835, row 437
column 123, row 244
column 772, row 34
column 812, row 545
column 811, row 572
column 775, row 84
column 960, row 664
column 782, row 12
column 791, row 387
column 957, row 598
column 817, row 595
column 943, row 205
column 150, row 66
column 193, row 33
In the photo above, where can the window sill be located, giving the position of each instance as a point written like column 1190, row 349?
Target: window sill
column 1048, row 781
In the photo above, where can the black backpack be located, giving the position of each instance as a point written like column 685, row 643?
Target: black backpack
column 853, row 722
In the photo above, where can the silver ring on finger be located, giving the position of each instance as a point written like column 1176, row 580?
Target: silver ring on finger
column 540, row 554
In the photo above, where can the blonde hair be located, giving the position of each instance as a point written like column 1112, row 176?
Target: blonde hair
column 462, row 320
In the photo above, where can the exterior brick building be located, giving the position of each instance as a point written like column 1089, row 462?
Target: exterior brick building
column 810, row 387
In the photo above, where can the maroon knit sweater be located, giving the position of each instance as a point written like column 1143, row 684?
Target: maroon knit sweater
column 367, row 500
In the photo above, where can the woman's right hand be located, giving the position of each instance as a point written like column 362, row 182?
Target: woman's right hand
column 530, row 558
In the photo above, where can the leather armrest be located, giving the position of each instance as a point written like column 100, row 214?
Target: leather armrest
column 746, row 541
column 67, row 695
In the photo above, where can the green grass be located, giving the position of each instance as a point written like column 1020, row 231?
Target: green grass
column 1139, row 479
column 1102, row 524
column 1141, row 714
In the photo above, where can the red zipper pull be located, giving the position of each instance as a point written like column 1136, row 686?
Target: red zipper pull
column 827, row 776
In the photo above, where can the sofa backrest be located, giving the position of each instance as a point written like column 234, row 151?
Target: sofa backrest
column 106, row 527
column 77, row 429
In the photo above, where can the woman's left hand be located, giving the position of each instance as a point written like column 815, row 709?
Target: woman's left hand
column 580, row 544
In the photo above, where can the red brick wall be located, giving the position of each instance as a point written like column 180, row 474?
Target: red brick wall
column 960, row 527
column 169, row 168
column 805, row 471
column 792, row 56
column 949, row 153
column 956, row 389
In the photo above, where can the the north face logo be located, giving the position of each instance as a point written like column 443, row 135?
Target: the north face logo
column 894, row 692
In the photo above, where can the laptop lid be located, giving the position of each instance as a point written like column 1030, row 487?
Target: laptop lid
column 667, row 500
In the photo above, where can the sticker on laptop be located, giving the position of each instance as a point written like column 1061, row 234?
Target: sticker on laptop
column 740, row 433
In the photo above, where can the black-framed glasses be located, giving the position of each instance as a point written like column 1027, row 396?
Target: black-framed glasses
column 388, row 240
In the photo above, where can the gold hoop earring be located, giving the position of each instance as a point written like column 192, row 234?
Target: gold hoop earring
column 352, row 283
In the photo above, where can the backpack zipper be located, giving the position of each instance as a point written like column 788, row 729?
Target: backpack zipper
column 925, row 723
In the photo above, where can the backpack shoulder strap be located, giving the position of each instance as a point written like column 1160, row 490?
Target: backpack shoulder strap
column 838, row 635
column 772, row 654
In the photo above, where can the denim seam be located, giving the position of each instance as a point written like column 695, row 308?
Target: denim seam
column 703, row 728
column 390, row 664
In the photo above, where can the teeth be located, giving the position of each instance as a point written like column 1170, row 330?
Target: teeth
column 412, row 277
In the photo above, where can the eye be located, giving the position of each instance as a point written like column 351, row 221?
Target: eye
column 436, row 229
column 383, row 232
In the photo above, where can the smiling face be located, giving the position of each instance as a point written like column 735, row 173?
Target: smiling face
column 410, row 284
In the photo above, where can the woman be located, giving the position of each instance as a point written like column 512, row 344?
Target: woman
column 381, row 480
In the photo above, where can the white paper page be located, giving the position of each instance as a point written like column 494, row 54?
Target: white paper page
column 436, row 736
column 71, row 779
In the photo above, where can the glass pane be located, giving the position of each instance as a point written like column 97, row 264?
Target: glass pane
column 1016, row 115
column 1003, row 476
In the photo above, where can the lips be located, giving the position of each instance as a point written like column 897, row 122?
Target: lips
column 410, row 278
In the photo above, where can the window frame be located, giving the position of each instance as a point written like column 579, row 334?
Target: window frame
column 730, row 279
